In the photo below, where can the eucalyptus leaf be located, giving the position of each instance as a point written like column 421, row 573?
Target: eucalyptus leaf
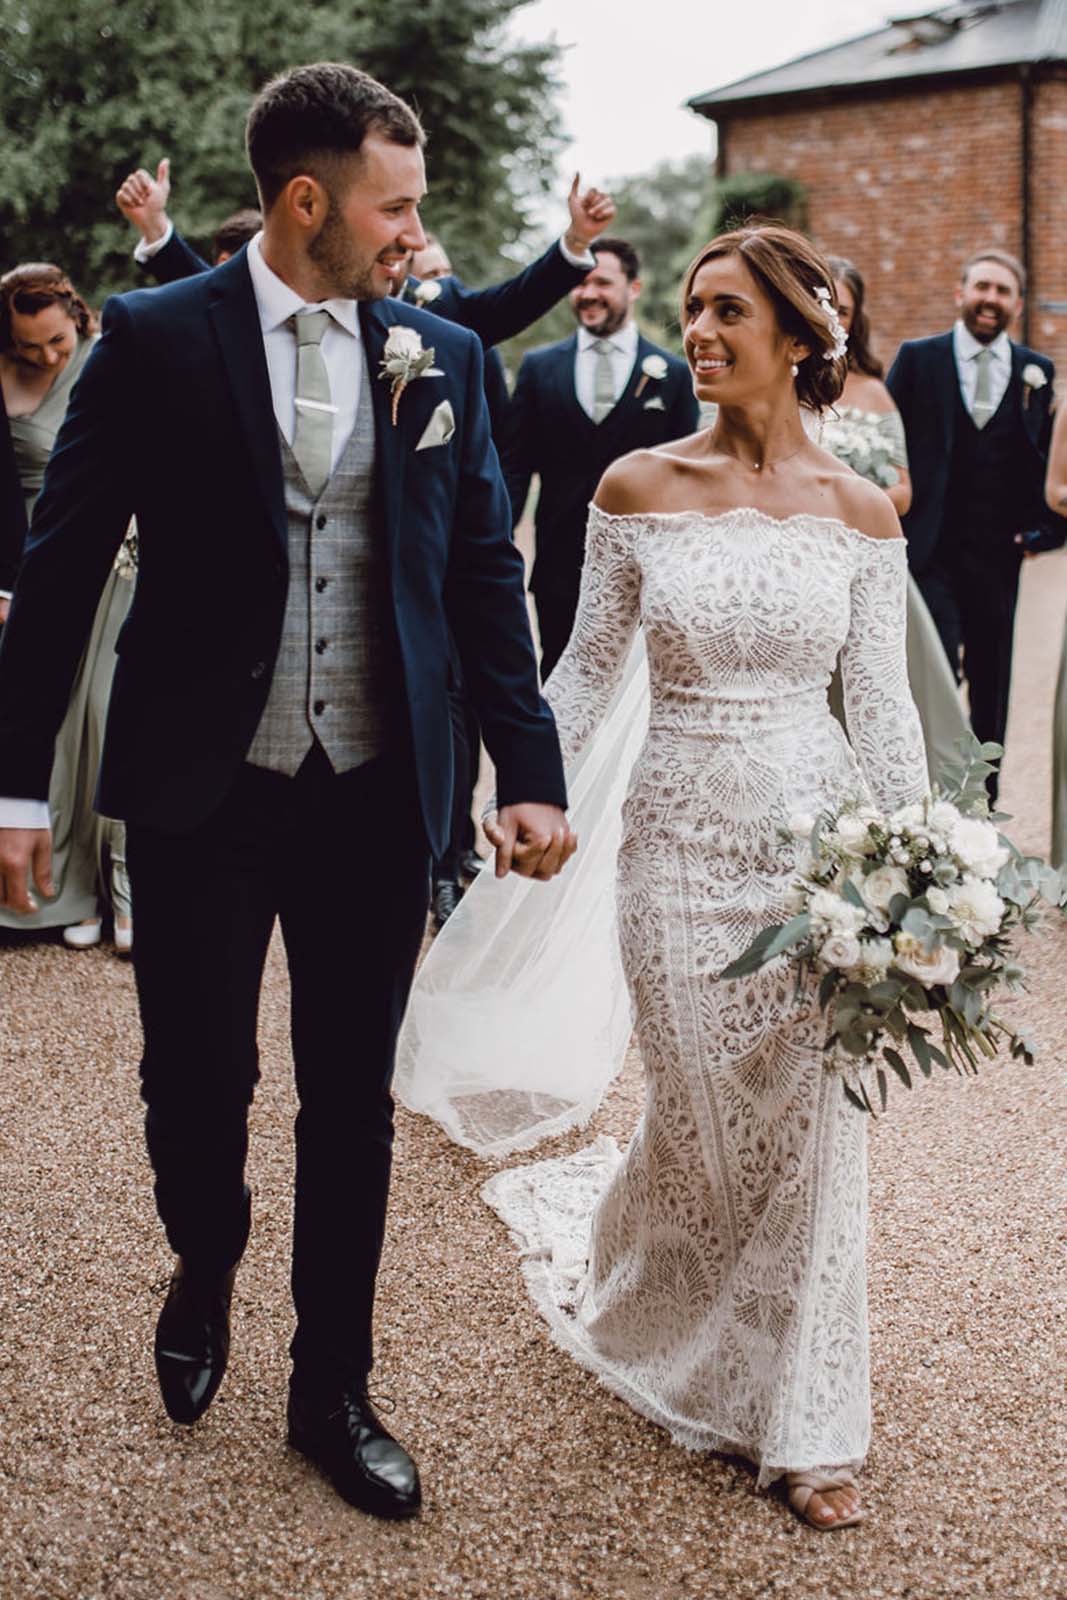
column 899, row 1066
column 883, row 1086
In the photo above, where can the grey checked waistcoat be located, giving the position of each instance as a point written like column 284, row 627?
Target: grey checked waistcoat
column 330, row 676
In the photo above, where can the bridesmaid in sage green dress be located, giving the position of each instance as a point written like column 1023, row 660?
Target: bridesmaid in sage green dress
column 1056, row 495
column 46, row 338
column 865, row 430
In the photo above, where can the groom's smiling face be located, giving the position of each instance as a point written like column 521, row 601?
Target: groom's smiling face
column 364, row 247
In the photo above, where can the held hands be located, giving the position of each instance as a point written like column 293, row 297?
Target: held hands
column 591, row 213
column 142, row 200
column 533, row 840
column 24, row 851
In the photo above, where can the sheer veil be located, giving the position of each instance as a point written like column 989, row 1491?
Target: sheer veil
column 520, row 1015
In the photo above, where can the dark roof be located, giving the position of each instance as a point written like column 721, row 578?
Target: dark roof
column 961, row 38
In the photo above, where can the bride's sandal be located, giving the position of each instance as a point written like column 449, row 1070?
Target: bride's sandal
column 803, row 1487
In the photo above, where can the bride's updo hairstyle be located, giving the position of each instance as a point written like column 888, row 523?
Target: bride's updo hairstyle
column 789, row 269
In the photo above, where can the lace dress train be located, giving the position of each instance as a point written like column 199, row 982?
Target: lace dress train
column 713, row 1275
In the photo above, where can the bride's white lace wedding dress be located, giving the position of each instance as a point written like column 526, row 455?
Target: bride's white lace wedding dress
column 713, row 1275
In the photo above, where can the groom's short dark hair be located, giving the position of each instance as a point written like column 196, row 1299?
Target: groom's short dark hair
column 309, row 118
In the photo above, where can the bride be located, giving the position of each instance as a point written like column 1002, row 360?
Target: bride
column 713, row 1275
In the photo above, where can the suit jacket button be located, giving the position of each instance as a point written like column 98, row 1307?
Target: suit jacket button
column 320, row 647
column 320, row 520
column 259, row 669
column 319, row 707
column 320, row 584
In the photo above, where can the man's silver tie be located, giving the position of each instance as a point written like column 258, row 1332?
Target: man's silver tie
column 983, row 407
column 313, row 438
column 603, row 380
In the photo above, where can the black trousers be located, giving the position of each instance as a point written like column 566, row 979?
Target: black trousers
column 342, row 862
column 557, row 606
column 972, row 597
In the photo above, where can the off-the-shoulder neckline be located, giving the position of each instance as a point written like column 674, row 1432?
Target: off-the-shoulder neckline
column 749, row 511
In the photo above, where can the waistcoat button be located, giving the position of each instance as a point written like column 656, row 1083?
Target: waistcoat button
column 320, row 520
column 320, row 646
column 319, row 707
column 320, row 584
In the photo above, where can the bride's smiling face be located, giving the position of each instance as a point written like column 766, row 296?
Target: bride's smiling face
column 735, row 348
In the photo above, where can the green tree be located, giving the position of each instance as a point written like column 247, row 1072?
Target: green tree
column 664, row 213
column 88, row 92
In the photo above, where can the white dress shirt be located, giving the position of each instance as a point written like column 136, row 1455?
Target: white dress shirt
column 623, row 345
column 966, row 347
column 276, row 303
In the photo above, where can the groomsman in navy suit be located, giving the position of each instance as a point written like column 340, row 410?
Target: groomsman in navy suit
column 977, row 412
column 496, row 313
column 578, row 406
column 281, row 742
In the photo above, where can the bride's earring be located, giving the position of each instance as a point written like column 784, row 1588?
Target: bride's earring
column 795, row 370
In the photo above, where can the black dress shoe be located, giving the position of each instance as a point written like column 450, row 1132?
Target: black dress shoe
column 193, row 1341
column 470, row 865
column 365, row 1464
column 446, row 897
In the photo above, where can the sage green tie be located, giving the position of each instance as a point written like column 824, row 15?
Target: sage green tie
column 313, row 438
column 603, row 380
column 983, row 407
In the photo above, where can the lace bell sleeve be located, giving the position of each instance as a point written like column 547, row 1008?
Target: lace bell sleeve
column 883, row 724
column 589, row 672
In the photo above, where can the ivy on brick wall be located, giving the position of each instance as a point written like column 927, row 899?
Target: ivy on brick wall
column 743, row 195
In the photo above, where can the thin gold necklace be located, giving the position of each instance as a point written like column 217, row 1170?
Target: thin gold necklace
column 758, row 466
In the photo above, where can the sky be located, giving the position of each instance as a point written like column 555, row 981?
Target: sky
column 630, row 65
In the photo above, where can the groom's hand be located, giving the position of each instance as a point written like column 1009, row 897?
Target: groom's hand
column 24, row 851
column 533, row 840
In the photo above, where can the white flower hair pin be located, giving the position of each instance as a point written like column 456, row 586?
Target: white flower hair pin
column 404, row 360
column 837, row 332
column 1033, row 378
column 654, row 367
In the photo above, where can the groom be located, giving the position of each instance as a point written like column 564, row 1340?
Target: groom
column 279, row 740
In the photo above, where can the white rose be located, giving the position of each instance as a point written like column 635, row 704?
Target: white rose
column 874, row 959
column 976, row 908
column 427, row 292
column 1033, row 377
column 937, row 900
column 830, row 914
column 654, row 367
column 801, row 825
column 855, row 835
column 907, row 817
column 403, row 341
column 796, row 899
column 942, row 816
column 882, row 885
column 840, row 950
column 930, row 967
column 975, row 844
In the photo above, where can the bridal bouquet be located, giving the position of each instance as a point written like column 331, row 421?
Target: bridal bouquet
column 860, row 444
column 907, row 920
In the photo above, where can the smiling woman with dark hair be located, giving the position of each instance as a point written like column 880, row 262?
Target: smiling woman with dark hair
column 714, row 1274
column 46, row 337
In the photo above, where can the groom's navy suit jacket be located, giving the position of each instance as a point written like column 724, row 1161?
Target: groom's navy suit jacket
column 497, row 313
column 172, row 419
column 924, row 382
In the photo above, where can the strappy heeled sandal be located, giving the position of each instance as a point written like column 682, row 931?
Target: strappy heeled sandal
column 800, row 1486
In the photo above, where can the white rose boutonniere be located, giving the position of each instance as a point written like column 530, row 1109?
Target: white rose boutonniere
column 654, row 367
column 426, row 293
column 404, row 360
column 1033, row 378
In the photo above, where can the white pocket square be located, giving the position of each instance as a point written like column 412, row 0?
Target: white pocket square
column 655, row 404
column 439, row 429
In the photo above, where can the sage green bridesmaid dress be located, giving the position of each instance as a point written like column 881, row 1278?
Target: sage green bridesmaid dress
column 89, row 851
column 933, row 683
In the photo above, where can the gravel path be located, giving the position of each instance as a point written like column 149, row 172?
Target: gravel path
column 540, row 1485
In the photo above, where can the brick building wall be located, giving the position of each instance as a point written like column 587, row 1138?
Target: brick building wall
column 907, row 184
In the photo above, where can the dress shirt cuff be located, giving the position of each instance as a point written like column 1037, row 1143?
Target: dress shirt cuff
column 143, row 251
column 5, row 594
column 587, row 259
column 24, row 813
